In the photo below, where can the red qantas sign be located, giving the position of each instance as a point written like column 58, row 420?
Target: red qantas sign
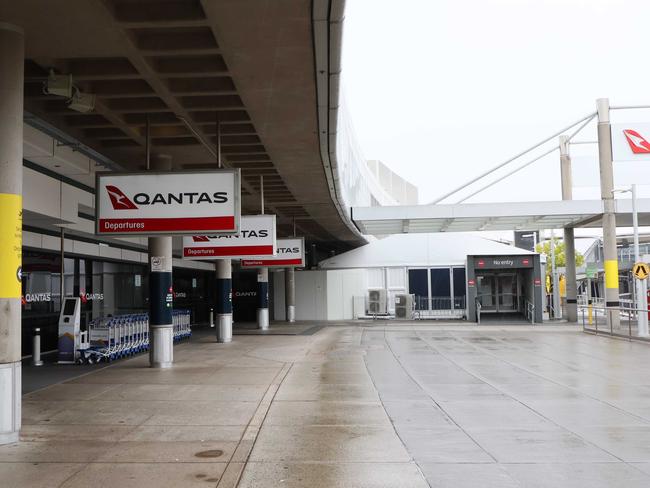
column 118, row 199
column 189, row 224
column 274, row 262
column 192, row 252
column 637, row 142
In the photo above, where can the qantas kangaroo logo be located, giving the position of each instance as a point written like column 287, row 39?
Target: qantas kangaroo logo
column 637, row 142
column 118, row 199
column 200, row 238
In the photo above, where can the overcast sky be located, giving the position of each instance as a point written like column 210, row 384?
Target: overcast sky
column 442, row 90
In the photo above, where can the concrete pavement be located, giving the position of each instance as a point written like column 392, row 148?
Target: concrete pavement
column 363, row 405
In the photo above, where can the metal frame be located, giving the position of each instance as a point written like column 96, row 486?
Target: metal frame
column 235, row 171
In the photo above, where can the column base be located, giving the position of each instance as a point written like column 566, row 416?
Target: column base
column 291, row 313
column 263, row 318
column 224, row 331
column 572, row 312
column 10, row 402
column 161, row 350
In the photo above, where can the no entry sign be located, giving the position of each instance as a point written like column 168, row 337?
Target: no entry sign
column 196, row 202
column 256, row 238
column 291, row 253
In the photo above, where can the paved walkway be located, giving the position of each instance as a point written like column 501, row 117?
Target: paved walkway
column 370, row 405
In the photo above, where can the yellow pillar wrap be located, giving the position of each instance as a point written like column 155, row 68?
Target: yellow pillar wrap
column 611, row 273
column 11, row 242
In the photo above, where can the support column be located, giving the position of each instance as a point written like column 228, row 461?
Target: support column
column 161, row 327
column 569, row 237
column 290, row 293
column 12, row 54
column 263, row 298
column 224, row 300
column 609, row 216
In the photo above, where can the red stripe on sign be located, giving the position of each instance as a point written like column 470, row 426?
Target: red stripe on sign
column 186, row 224
column 192, row 252
column 249, row 263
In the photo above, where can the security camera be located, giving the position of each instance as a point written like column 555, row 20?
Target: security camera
column 82, row 102
column 59, row 85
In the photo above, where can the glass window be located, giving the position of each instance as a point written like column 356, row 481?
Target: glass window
column 459, row 287
column 419, row 287
column 440, row 283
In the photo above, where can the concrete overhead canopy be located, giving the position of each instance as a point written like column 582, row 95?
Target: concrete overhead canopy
column 184, row 66
column 469, row 217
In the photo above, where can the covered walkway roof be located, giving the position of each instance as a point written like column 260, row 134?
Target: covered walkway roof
column 469, row 217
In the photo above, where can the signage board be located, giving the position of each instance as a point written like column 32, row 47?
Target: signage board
column 641, row 271
column 500, row 262
column 256, row 238
column 196, row 202
column 291, row 253
column 591, row 270
column 631, row 142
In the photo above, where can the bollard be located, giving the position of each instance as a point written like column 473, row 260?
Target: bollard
column 211, row 318
column 36, row 353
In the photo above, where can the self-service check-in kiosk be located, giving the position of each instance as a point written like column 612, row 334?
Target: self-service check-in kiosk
column 69, row 330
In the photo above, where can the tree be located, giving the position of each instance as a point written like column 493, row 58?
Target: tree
column 560, row 258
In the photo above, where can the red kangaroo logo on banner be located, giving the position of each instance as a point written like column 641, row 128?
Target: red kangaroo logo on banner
column 118, row 199
column 637, row 142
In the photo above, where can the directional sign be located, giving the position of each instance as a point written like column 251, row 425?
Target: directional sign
column 256, row 238
column 591, row 271
column 291, row 254
column 641, row 270
column 191, row 203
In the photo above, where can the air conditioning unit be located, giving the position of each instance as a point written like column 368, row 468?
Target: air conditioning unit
column 404, row 306
column 377, row 302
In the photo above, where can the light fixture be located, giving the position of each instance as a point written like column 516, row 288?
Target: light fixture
column 59, row 85
column 82, row 102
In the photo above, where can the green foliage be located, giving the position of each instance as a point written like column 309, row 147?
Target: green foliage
column 560, row 258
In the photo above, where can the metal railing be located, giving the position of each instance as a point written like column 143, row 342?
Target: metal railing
column 600, row 321
column 439, row 307
column 530, row 311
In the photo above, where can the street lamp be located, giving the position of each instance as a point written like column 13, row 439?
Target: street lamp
column 640, row 285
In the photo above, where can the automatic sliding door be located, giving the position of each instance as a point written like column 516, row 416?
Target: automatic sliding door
column 508, row 299
column 487, row 292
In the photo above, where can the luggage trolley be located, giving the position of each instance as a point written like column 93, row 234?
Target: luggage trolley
column 110, row 338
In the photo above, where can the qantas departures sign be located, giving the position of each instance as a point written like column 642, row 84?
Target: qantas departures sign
column 291, row 254
column 256, row 238
column 196, row 202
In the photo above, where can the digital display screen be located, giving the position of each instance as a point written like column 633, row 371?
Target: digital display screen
column 68, row 307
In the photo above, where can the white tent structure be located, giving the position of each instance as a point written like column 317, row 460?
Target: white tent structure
column 338, row 290
column 411, row 250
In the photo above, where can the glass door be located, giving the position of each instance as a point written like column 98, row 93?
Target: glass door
column 487, row 292
column 507, row 290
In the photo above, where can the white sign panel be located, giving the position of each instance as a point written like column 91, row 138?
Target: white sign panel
column 196, row 202
column 256, row 238
column 631, row 142
column 291, row 253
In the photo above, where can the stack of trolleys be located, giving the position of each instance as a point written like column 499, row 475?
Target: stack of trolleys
column 116, row 337
column 182, row 325
column 122, row 336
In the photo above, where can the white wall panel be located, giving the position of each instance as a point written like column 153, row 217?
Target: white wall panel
column 311, row 300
